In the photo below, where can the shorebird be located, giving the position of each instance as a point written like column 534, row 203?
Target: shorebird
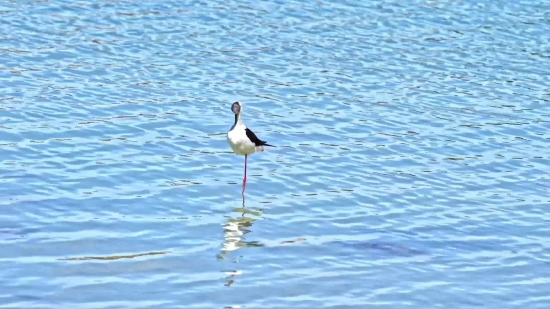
column 243, row 141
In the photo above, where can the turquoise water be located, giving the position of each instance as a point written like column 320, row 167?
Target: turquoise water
column 411, row 169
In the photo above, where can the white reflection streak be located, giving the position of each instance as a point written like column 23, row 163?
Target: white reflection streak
column 232, row 233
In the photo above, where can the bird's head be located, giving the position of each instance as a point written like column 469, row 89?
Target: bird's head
column 236, row 107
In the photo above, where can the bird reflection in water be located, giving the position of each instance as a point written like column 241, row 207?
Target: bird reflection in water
column 234, row 231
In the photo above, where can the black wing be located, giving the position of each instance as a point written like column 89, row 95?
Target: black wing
column 251, row 136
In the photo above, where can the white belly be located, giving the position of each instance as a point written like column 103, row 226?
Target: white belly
column 240, row 143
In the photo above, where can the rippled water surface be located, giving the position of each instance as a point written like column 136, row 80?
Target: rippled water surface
column 411, row 168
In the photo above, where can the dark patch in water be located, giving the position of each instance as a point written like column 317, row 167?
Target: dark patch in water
column 10, row 233
column 386, row 248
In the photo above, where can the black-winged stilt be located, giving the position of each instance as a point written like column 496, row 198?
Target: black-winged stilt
column 243, row 141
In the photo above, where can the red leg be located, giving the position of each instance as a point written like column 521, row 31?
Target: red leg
column 244, row 179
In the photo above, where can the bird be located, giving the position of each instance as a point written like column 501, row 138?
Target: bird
column 242, row 140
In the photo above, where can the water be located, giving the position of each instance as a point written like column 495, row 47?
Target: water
column 411, row 169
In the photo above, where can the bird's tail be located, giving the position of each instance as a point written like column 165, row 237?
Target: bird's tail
column 268, row 145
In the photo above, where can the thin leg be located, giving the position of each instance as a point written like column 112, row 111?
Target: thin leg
column 244, row 179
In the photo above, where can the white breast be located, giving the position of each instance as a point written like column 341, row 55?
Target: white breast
column 239, row 142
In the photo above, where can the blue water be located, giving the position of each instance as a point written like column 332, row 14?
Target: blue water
column 411, row 169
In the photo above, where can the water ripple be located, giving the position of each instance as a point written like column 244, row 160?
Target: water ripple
column 410, row 167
